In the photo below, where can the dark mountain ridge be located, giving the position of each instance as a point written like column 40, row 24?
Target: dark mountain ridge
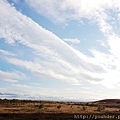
column 109, row 101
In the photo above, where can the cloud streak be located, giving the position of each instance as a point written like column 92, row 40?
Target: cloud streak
column 74, row 41
column 44, row 43
column 52, row 57
column 14, row 76
column 98, row 13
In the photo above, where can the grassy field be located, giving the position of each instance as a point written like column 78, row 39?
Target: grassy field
column 45, row 110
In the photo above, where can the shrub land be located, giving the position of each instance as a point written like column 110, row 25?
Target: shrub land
column 44, row 110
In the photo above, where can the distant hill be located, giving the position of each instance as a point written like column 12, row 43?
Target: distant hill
column 109, row 101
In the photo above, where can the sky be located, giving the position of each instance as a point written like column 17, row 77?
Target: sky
column 60, row 49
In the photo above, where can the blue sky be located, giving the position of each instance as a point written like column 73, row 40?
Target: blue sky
column 67, row 49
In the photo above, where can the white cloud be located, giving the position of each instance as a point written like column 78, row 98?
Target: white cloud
column 23, row 91
column 77, row 84
column 50, row 70
column 63, row 10
column 14, row 76
column 74, row 41
column 61, row 61
column 96, row 11
column 21, row 86
column 15, row 1
column 4, row 52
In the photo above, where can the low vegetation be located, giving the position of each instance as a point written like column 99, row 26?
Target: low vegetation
column 15, row 106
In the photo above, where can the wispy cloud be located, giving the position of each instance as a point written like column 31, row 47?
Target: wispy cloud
column 14, row 76
column 52, row 56
column 74, row 41
column 98, row 13
column 7, row 53
column 47, row 45
column 63, row 10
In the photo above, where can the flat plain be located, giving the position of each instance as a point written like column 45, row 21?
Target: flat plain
column 52, row 110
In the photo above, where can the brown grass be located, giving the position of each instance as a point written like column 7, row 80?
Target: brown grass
column 24, row 107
